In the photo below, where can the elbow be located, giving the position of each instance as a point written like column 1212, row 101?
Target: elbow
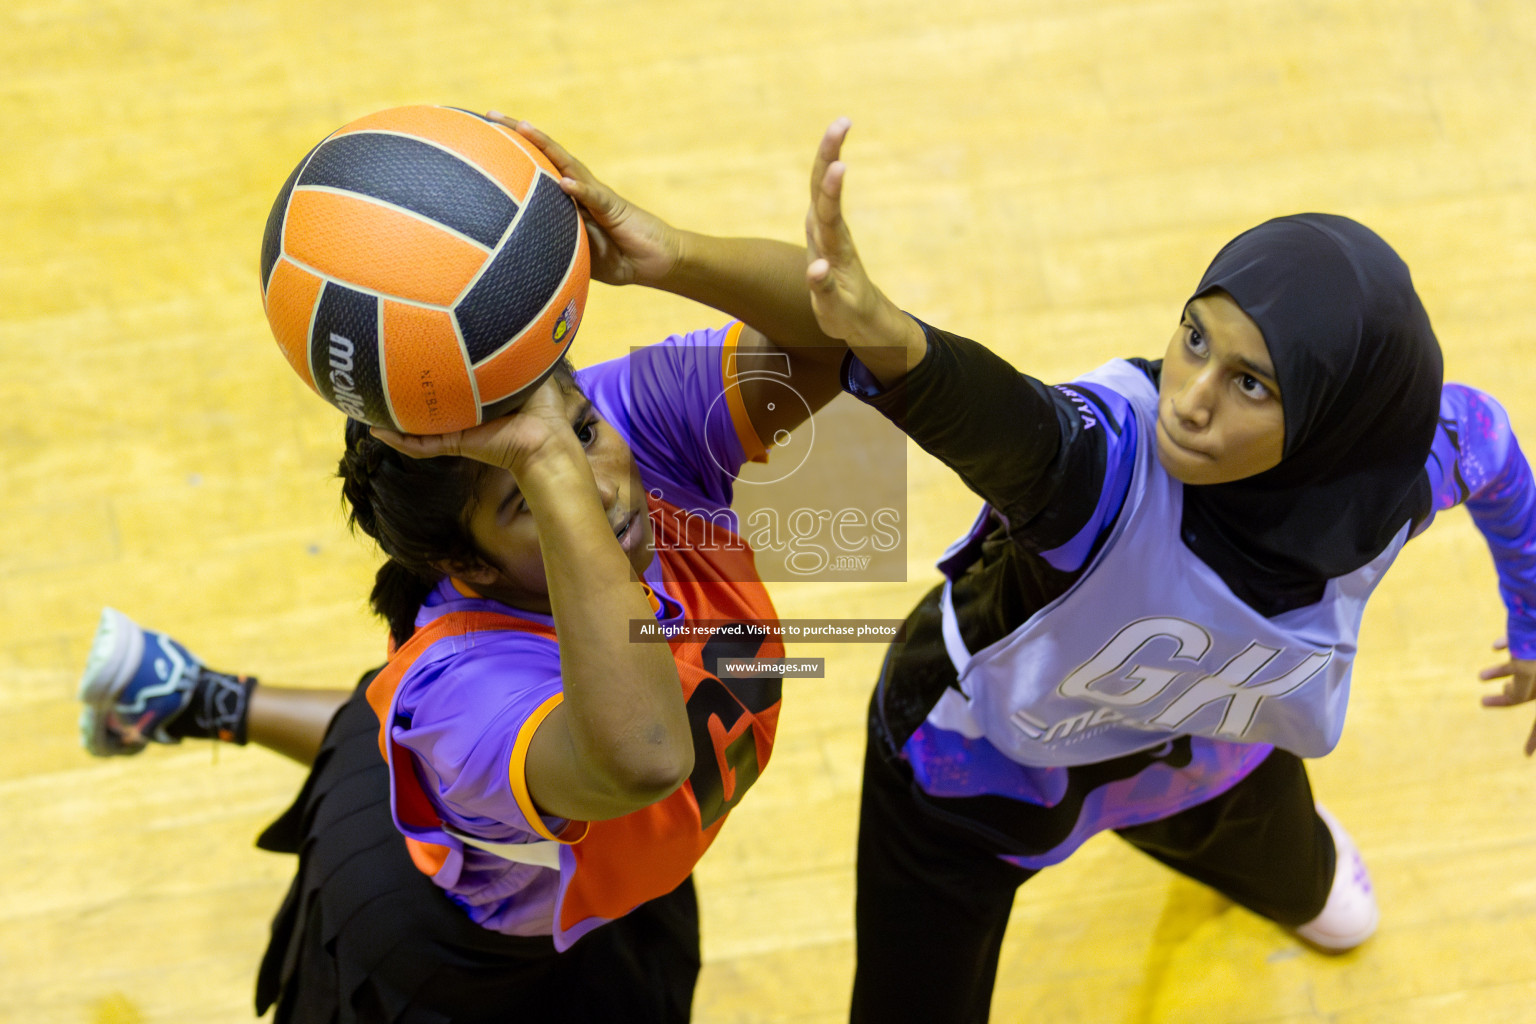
column 654, row 756
column 652, row 787
column 662, row 773
column 650, row 771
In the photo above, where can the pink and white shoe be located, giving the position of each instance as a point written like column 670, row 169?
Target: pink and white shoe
column 1350, row 915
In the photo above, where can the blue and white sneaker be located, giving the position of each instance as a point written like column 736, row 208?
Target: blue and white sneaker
column 135, row 682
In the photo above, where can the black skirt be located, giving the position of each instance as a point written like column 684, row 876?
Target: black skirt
column 363, row 936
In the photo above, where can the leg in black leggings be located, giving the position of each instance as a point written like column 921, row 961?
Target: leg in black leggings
column 933, row 904
column 934, row 896
column 1261, row 843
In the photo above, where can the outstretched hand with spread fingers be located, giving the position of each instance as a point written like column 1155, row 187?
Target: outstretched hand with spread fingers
column 629, row 245
column 847, row 303
column 1519, row 677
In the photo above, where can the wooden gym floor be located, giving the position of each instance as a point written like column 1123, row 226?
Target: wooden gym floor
column 1048, row 177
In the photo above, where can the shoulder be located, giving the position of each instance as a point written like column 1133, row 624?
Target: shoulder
column 686, row 365
column 1110, row 405
column 1118, row 389
column 479, row 670
column 462, row 705
column 678, row 406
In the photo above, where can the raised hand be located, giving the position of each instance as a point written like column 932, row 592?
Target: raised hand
column 846, row 302
column 1519, row 678
column 629, row 245
column 538, row 432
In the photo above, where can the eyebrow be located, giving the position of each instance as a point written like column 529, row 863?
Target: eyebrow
column 1257, row 369
column 582, row 412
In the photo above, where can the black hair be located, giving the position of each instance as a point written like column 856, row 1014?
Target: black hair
column 418, row 511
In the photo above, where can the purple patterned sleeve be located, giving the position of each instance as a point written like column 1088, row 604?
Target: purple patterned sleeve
column 1477, row 460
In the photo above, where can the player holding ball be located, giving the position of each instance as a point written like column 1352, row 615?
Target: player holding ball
column 525, row 844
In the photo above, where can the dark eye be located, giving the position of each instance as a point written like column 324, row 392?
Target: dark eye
column 586, row 432
column 514, row 506
column 1196, row 342
column 1252, row 386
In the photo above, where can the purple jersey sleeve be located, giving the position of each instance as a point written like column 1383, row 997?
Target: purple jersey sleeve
column 671, row 403
column 460, row 712
column 1477, row 460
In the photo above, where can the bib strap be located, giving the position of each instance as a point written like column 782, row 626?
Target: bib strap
column 951, row 626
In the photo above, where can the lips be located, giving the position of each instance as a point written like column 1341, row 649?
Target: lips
column 628, row 532
column 1172, row 438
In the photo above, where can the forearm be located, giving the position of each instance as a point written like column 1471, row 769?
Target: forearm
column 1505, row 513
column 762, row 283
column 998, row 429
column 623, row 707
column 756, row 280
column 1477, row 459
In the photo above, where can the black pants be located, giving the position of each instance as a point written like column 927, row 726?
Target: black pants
column 363, row 936
column 934, row 897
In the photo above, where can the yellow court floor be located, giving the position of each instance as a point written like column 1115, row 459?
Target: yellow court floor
column 1048, row 177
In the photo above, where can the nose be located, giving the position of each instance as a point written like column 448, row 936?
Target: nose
column 607, row 488
column 1193, row 402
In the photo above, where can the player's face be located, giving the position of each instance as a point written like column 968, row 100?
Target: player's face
column 503, row 527
column 1219, row 416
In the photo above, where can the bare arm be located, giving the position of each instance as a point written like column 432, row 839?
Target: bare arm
column 762, row 283
column 758, row 281
column 620, row 738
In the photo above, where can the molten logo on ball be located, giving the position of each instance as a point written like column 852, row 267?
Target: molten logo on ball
column 343, row 388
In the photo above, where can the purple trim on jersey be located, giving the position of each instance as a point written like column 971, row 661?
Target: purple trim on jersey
column 947, row 764
column 668, row 403
column 1477, row 460
column 1119, row 466
column 1155, row 793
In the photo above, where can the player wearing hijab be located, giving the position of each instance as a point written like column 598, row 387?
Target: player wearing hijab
column 555, row 780
column 1154, row 617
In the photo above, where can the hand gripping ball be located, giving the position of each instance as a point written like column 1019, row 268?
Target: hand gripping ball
column 422, row 270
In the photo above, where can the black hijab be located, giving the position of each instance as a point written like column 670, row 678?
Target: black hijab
column 1360, row 374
